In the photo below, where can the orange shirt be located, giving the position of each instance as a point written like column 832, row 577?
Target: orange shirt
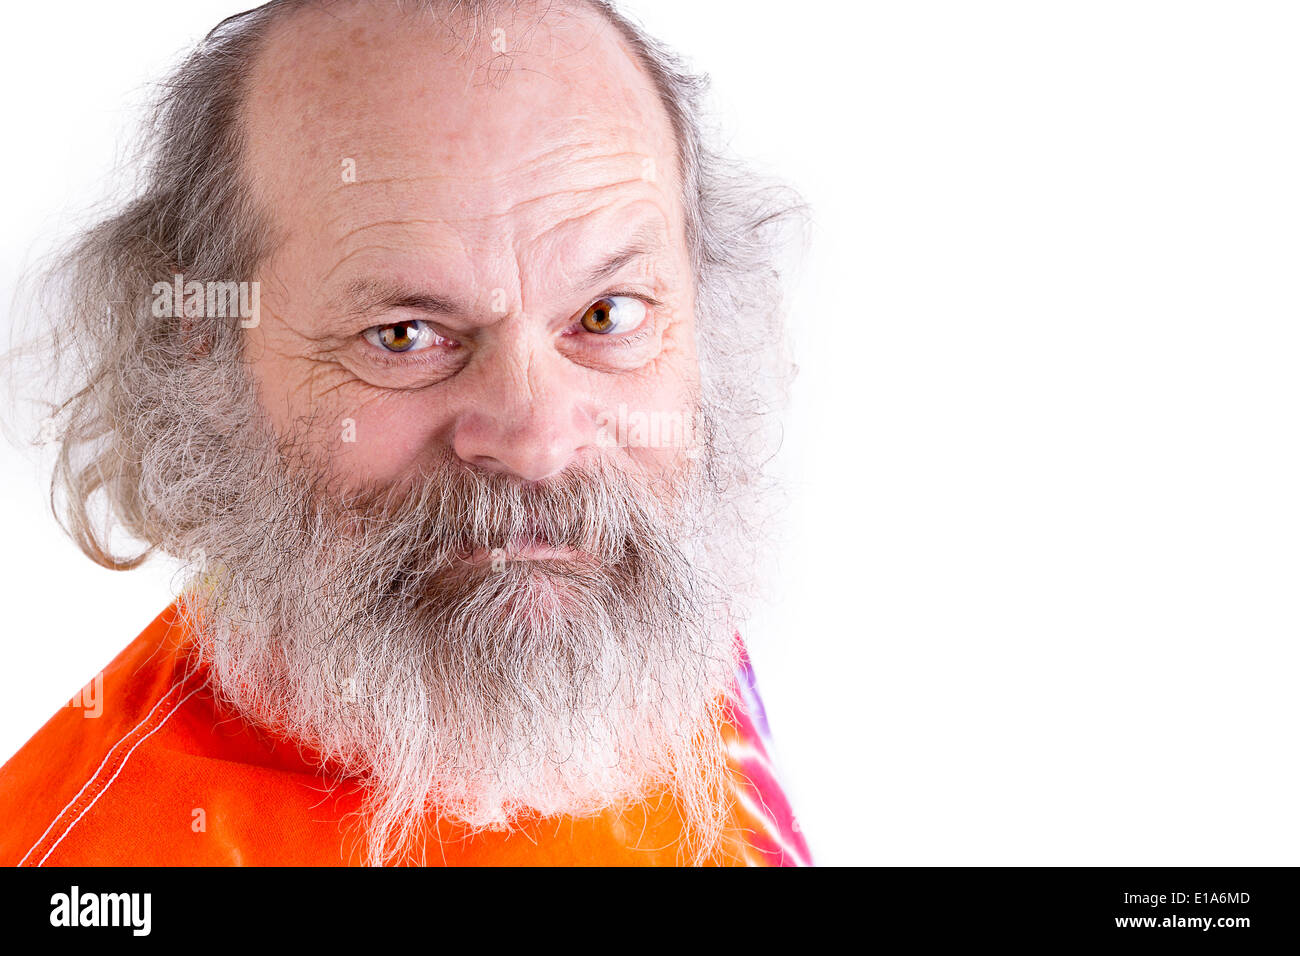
column 165, row 776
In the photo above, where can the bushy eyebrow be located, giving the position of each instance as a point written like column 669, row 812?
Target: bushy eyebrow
column 371, row 296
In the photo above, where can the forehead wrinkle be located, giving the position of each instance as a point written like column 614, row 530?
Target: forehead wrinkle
column 509, row 206
column 649, row 231
column 388, row 222
column 351, row 254
column 574, row 194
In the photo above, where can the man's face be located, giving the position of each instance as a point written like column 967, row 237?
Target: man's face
column 446, row 570
column 449, row 214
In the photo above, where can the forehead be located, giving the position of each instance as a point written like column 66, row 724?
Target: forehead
column 367, row 126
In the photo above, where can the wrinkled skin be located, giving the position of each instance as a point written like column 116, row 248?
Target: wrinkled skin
column 493, row 183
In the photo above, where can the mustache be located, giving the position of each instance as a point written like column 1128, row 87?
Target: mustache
column 400, row 552
column 452, row 509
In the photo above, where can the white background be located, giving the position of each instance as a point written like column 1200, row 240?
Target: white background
column 1038, row 590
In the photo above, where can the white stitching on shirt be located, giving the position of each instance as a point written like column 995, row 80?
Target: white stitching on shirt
column 95, row 775
column 104, row 789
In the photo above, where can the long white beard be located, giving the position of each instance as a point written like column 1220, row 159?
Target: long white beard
column 476, row 690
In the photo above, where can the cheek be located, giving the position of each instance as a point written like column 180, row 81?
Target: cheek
column 280, row 385
column 379, row 439
column 343, row 427
column 653, row 419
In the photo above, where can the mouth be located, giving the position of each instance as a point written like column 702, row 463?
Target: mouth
column 526, row 547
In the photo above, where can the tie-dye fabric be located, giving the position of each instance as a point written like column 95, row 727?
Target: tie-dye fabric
column 773, row 836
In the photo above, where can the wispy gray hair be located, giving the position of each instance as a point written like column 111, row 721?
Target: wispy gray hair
column 116, row 381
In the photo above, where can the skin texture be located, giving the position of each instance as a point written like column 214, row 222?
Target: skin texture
column 494, row 182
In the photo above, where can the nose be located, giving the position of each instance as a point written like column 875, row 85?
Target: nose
column 524, row 417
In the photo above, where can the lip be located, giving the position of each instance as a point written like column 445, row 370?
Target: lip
column 525, row 549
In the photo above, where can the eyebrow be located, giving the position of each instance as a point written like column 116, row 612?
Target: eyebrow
column 646, row 241
column 367, row 296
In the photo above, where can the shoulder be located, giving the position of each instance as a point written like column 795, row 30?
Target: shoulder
column 58, row 776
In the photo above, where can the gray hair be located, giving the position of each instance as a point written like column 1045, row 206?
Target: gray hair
column 122, row 379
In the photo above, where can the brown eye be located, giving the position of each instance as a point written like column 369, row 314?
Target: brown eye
column 614, row 313
column 599, row 316
column 410, row 336
column 399, row 337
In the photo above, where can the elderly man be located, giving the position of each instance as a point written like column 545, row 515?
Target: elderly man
column 442, row 349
